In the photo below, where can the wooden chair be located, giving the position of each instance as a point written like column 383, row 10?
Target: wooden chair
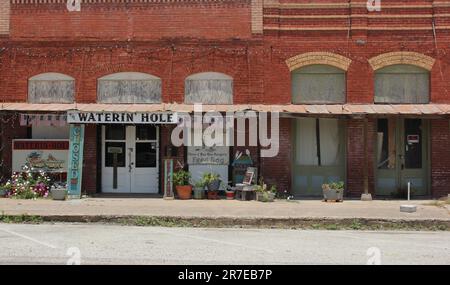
column 246, row 190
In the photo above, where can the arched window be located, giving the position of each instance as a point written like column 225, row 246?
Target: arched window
column 402, row 84
column 209, row 88
column 318, row 84
column 129, row 88
column 51, row 88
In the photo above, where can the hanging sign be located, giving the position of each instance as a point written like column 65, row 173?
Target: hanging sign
column 76, row 117
column 75, row 170
column 40, row 155
column 413, row 139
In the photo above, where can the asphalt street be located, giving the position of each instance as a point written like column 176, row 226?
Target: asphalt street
column 114, row 244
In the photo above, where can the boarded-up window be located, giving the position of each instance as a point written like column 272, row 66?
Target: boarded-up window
column 51, row 88
column 129, row 88
column 318, row 142
column 318, row 84
column 402, row 84
column 209, row 88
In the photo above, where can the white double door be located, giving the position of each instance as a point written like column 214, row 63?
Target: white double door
column 136, row 161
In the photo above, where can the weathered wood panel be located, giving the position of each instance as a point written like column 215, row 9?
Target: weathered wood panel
column 51, row 91
column 318, row 84
column 129, row 91
column 402, row 84
column 209, row 91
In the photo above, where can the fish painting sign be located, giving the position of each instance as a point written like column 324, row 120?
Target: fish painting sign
column 40, row 155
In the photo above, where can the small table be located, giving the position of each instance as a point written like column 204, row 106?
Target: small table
column 245, row 192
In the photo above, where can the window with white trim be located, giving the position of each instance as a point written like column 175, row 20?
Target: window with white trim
column 129, row 88
column 51, row 88
column 318, row 84
column 402, row 84
column 209, row 88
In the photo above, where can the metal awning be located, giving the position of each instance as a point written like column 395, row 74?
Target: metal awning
column 344, row 109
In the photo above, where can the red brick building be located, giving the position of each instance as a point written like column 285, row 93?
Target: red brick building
column 339, row 75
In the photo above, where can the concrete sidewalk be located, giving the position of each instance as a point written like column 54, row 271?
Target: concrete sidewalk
column 298, row 209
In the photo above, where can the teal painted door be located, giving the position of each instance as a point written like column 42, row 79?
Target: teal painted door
column 319, row 154
column 402, row 157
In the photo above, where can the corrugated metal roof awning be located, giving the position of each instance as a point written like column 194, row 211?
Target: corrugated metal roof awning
column 344, row 109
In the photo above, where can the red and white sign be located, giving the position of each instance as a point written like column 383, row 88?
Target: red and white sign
column 45, row 155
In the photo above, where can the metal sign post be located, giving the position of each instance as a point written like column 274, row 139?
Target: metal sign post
column 168, row 179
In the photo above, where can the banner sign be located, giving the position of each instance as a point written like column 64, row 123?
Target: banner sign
column 208, row 155
column 76, row 117
column 74, row 174
column 58, row 120
column 40, row 155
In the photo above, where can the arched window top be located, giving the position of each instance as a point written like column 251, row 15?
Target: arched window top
column 402, row 58
column 318, row 84
column 319, row 69
column 402, row 69
column 318, row 58
column 51, row 87
column 209, row 76
column 209, row 88
column 51, row 76
column 129, row 76
column 129, row 88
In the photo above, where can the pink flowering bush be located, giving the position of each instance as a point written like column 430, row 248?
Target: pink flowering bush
column 27, row 185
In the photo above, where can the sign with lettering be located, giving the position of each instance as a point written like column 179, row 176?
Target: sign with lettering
column 208, row 155
column 76, row 117
column 74, row 174
column 40, row 155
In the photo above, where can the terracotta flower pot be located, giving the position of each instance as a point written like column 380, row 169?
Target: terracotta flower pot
column 230, row 195
column 184, row 192
column 213, row 195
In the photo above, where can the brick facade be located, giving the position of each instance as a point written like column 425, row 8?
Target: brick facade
column 257, row 42
column 440, row 157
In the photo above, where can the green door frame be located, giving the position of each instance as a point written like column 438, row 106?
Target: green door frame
column 312, row 175
column 388, row 181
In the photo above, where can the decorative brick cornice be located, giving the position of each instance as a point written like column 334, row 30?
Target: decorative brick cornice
column 24, row 2
column 310, row 58
column 402, row 57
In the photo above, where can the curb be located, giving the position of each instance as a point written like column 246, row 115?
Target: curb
column 233, row 222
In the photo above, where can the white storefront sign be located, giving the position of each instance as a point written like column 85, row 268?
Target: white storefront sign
column 45, row 155
column 76, row 117
column 208, row 155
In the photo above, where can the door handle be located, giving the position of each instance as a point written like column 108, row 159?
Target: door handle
column 130, row 166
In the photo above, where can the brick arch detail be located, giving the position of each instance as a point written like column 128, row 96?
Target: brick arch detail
column 326, row 58
column 402, row 57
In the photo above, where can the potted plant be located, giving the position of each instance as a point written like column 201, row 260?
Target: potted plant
column 199, row 190
column 333, row 191
column 265, row 194
column 58, row 191
column 2, row 191
column 181, row 180
column 212, row 182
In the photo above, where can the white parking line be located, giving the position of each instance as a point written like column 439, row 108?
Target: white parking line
column 28, row 238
